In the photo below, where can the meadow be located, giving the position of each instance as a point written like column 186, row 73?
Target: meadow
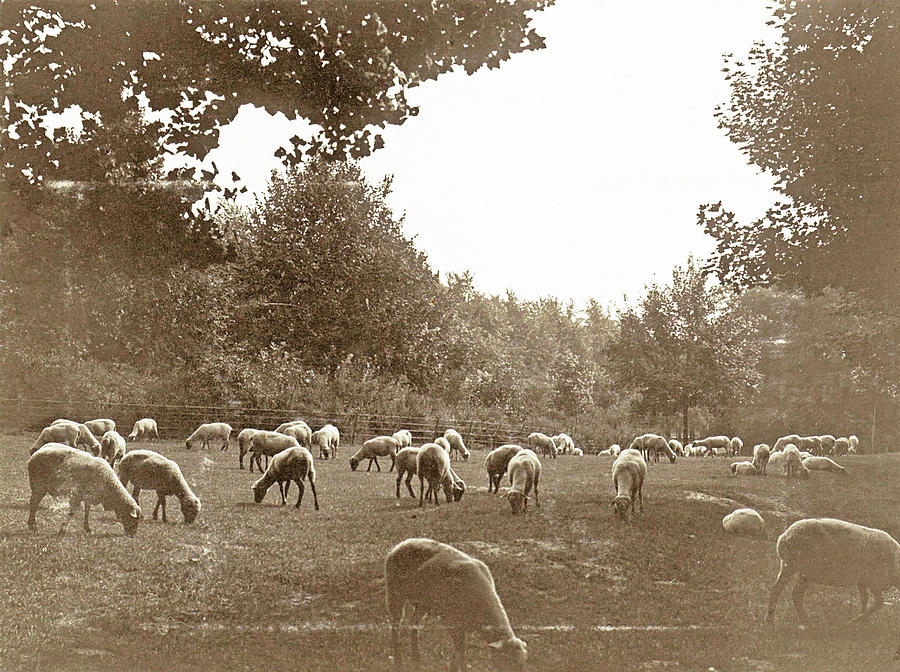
column 269, row 587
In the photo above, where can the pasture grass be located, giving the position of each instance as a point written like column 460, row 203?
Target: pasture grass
column 270, row 587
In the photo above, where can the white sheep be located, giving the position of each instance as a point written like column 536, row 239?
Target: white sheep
column 564, row 443
column 737, row 445
column 149, row 470
column 835, row 553
column 793, row 463
column 58, row 432
column 284, row 425
column 782, row 442
column 380, row 446
column 524, row 472
column 543, row 443
column 776, row 460
column 822, row 463
column 268, row 444
column 744, row 468
column 328, row 439
column 715, row 445
column 457, row 447
column 406, row 466
column 496, row 463
column 292, row 464
column 628, row 474
column 676, row 447
column 577, row 452
column 842, row 446
column 208, row 432
column 810, row 444
column 853, row 444
column 425, row 577
column 615, row 449
column 443, row 443
column 144, row 428
column 761, row 455
column 62, row 471
column 301, row 432
column 112, row 447
column 744, row 521
column 433, row 465
column 100, row 426
column 404, row 436
column 649, row 442
column 243, row 438
column 826, row 443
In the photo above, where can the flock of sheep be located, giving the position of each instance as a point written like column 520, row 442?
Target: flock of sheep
column 423, row 575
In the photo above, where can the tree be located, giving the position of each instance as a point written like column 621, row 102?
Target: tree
column 685, row 346
column 821, row 112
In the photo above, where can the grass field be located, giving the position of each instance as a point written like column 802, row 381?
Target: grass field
column 270, row 587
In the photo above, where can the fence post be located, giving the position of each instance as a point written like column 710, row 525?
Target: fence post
column 353, row 429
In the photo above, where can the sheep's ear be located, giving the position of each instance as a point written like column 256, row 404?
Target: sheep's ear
column 495, row 645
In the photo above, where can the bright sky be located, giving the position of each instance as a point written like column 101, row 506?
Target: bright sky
column 575, row 171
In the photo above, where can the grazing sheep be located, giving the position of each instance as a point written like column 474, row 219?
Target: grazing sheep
column 826, row 443
column 543, row 443
column 59, row 432
column 793, row 464
column 736, row 445
column 425, row 577
column 457, row 446
column 715, row 445
column 404, row 436
column 524, row 472
column 301, row 432
column 776, row 460
column 607, row 452
column 781, row 443
column 100, row 426
column 63, row 471
column 853, row 444
column 292, row 464
column 443, row 443
column 327, row 438
column 112, row 447
column 835, row 553
column 577, row 452
column 810, row 444
column 496, row 463
column 380, row 446
column 268, row 444
column 744, row 521
column 652, row 443
column 695, row 451
column 745, row 468
column 151, row 471
column 406, row 466
column 284, row 425
column 822, row 463
column 144, row 428
column 433, row 465
column 564, row 443
column 761, row 455
column 628, row 474
column 244, row 437
column 676, row 447
column 219, row 431
column 842, row 446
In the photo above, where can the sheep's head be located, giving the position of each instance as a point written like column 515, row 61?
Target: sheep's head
column 258, row 493
column 459, row 489
column 353, row 463
column 187, row 444
column 672, row 456
column 803, row 472
column 517, row 500
column 622, row 504
column 130, row 519
column 734, row 468
column 189, row 509
column 509, row 654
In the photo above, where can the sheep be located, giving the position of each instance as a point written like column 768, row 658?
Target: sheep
column 577, row 452
column 822, row 463
column 543, row 443
column 793, row 465
column 524, row 472
column 676, row 447
column 100, row 426
column 456, row 444
column 112, row 447
column 380, row 446
column 647, row 443
column 810, row 444
column 443, row 443
column 292, row 464
column 826, row 443
column 149, row 470
column 564, row 443
column 744, row 521
column 59, row 432
column 628, row 474
column 496, row 463
column 836, row 553
column 761, row 454
column 268, row 444
column 406, row 466
column 425, row 577
column 715, row 445
column 327, row 438
column 244, row 437
column 736, row 445
column 145, row 427
column 745, row 468
column 404, row 436
column 842, row 446
column 615, row 449
column 220, row 431
column 62, row 471
column 853, row 444
column 784, row 441
column 284, row 425
column 433, row 465
column 776, row 460
column 607, row 452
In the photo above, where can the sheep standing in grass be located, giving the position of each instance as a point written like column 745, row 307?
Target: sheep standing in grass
column 810, row 444
column 406, row 466
column 327, row 439
column 577, row 452
column 100, row 426
column 290, row 423
column 776, row 461
column 404, row 437
column 380, row 446
column 457, row 447
column 209, row 432
column 744, row 521
column 793, row 464
column 736, row 445
column 543, row 443
column 676, row 447
column 496, row 463
column 715, row 445
column 826, row 443
column 835, row 553
column 842, row 446
column 652, row 443
column 761, row 455
column 301, row 432
column 59, row 432
column 433, row 465
column 745, row 468
column 292, row 464
column 443, row 443
column 564, row 443
column 852, row 444
column 524, row 471
column 244, row 437
column 268, row 444
column 144, row 428
column 628, row 474
column 782, row 442
column 63, row 471
column 425, row 577
column 112, row 447
column 822, row 463
column 149, row 470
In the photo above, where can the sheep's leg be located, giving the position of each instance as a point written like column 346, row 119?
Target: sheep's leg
column 421, row 489
column 136, row 494
column 393, row 462
column 641, row 497
column 159, row 502
column 799, row 591
column 87, row 513
column 863, row 598
column 414, row 647
column 877, row 603
column 537, row 501
column 33, row 507
column 395, row 647
column 784, row 575
column 312, row 486
column 409, row 476
column 299, row 494
column 399, row 478
column 161, row 499
column 375, row 460
column 459, row 650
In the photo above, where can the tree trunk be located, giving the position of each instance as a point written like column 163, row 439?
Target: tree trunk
column 684, row 424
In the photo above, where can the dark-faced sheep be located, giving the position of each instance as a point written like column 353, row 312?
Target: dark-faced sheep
column 149, row 470
column 380, row 446
column 628, row 473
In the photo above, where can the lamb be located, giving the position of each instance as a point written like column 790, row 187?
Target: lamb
column 244, row 437
column 543, row 443
column 268, row 444
column 456, row 444
column 853, row 444
column 715, row 445
column 564, row 443
column 793, row 464
column 149, row 470
column 300, row 431
column 577, row 452
column 100, row 426
column 112, row 447
column 145, row 427
column 220, row 431
column 284, row 425
column 404, row 436
column 628, row 473
column 433, row 465
column 785, row 440
column 62, row 471
column 443, row 443
column 842, row 446
column 761, row 455
column 822, row 463
column 836, row 553
column 524, row 471
column 406, row 466
column 380, row 446
column 826, row 443
column 425, row 577
column 744, row 521
column 745, row 468
column 327, row 438
column 292, row 464
column 736, row 445
column 496, row 463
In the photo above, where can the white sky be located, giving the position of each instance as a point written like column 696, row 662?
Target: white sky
column 575, row 171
